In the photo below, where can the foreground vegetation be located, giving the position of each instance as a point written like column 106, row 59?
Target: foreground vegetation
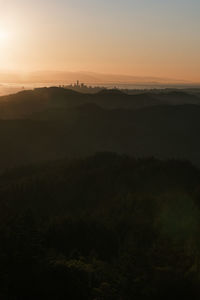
column 104, row 227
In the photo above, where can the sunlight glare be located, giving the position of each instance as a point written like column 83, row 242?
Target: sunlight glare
column 4, row 36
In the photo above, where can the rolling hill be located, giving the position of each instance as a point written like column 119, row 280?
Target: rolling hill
column 53, row 123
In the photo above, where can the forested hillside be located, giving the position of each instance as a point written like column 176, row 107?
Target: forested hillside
column 80, row 225
column 103, row 227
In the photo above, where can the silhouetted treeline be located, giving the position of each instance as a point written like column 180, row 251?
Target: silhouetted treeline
column 105, row 227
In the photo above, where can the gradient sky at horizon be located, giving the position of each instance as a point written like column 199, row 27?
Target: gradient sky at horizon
column 137, row 37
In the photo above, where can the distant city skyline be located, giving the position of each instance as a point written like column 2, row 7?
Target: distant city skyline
column 142, row 38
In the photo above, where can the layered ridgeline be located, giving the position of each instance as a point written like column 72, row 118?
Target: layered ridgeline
column 106, row 227
column 53, row 123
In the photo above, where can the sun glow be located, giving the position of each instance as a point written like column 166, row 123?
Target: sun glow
column 4, row 36
column 6, row 42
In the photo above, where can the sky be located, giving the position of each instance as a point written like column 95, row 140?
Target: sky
column 157, row 38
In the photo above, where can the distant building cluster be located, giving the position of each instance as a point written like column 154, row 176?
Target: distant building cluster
column 79, row 85
column 82, row 87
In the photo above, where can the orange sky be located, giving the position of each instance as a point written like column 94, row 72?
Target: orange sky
column 134, row 37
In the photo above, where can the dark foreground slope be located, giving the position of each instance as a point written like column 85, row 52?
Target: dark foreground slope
column 53, row 123
column 105, row 227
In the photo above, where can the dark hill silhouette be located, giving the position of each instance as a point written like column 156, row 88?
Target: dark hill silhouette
column 26, row 103
column 161, row 131
column 51, row 123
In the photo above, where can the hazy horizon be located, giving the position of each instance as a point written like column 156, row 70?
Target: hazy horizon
column 88, row 77
column 11, row 83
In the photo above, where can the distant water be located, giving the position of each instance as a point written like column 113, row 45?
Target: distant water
column 6, row 89
column 151, row 86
